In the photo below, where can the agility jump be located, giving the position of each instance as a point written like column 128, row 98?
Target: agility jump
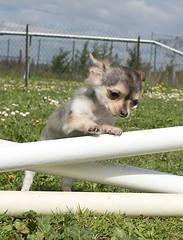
column 85, row 162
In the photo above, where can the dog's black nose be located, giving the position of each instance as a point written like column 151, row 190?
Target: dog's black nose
column 123, row 113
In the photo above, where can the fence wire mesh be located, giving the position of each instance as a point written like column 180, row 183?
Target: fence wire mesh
column 48, row 54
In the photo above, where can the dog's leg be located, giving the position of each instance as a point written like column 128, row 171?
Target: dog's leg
column 112, row 130
column 82, row 124
column 28, row 179
column 67, row 184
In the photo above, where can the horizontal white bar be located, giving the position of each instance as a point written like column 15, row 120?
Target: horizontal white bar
column 119, row 175
column 115, row 174
column 6, row 142
column 132, row 204
column 72, row 36
column 85, row 149
column 97, row 38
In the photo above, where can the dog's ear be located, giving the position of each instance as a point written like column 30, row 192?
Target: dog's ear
column 142, row 76
column 97, row 72
column 95, row 61
column 95, row 76
column 102, row 64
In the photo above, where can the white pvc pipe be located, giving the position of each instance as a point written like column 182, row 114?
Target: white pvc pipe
column 119, row 175
column 84, row 149
column 116, row 174
column 6, row 142
column 132, row 204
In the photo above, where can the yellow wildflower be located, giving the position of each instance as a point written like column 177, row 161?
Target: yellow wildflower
column 10, row 177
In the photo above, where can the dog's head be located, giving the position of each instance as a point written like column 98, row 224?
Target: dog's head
column 117, row 88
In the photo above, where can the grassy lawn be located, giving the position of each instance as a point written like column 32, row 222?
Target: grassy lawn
column 23, row 115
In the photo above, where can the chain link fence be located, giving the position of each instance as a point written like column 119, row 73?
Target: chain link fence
column 65, row 51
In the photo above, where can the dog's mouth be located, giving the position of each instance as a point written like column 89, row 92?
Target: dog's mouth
column 118, row 115
column 112, row 114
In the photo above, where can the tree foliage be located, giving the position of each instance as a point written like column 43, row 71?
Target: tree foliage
column 132, row 61
column 80, row 60
column 61, row 61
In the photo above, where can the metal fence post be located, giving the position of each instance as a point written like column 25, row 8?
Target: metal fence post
column 174, row 59
column 151, row 52
column 8, row 50
column 38, row 54
column 155, row 52
column 138, row 54
column 29, row 48
column 73, row 56
column 20, row 59
column 126, row 53
column 26, row 55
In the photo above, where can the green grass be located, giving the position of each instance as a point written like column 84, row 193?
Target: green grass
column 23, row 115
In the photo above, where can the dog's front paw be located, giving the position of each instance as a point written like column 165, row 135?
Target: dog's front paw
column 108, row 129
column 94, row 129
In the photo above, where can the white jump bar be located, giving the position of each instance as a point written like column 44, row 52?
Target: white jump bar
column 85, row 149
column 132, row 204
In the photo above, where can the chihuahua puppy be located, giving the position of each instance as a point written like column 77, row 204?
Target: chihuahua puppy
column 108, row 94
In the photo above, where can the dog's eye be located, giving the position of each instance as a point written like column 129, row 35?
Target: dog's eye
column 134, row 102
column 113, row 95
